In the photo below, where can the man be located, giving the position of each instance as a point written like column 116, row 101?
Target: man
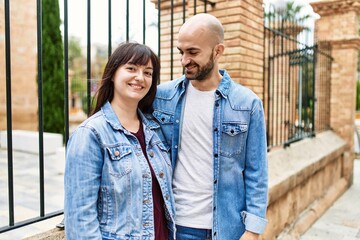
column 216, row 131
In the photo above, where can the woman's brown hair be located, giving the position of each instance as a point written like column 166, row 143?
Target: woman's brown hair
column 138, row 54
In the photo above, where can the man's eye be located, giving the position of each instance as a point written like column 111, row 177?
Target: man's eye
column 130, row 68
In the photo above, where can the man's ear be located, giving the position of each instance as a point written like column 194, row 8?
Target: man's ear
column 219, row 50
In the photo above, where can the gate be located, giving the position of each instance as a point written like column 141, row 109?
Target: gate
column 296, row 81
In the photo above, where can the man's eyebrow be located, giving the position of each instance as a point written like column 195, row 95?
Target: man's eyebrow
column 189, row 49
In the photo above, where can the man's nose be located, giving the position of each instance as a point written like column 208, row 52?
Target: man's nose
column 185, row 60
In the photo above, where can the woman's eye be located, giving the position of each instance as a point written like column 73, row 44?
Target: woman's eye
column 149, row 74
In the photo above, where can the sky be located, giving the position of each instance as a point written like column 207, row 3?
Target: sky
column 77, row 17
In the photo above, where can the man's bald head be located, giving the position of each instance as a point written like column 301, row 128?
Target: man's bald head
column 206, row 23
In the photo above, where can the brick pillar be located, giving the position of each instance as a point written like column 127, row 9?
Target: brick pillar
column 339, row 25
column 23, row 65
column 244, row 32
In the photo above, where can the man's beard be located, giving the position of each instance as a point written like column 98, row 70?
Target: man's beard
column 203, row 72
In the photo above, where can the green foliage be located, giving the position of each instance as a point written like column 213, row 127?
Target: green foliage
column 74, row 51
column 53, row 68
column 78, row 86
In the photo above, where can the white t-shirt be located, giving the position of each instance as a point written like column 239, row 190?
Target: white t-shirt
column 193, row 175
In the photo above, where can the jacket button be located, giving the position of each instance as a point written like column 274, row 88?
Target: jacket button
column 151, row 154
column 217, row 104
column 167, row 197
column 215, row 181
column 215, row 129
column 216, row 155
column 161, row 174
column 117, row 153
column 214, row 233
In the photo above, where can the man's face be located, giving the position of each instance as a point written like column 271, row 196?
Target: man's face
column 196, row 55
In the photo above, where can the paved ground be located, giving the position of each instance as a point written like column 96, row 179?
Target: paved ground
column 26, row 191
column 341, row 221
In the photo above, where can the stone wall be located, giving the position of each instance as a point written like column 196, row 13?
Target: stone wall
column 338, row 26
column 303, row 184
column 23, row 65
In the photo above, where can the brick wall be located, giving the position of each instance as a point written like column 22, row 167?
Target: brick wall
column 339, row 26
column 244, row 44
column 23, row 65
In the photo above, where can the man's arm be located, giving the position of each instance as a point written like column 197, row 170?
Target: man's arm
column 256, row 173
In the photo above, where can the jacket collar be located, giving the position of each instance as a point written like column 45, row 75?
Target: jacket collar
column 223, row 88
column 112, row 119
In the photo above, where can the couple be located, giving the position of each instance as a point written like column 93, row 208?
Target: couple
column 119, row 180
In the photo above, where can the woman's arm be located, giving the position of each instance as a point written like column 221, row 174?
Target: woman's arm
column 84, row 161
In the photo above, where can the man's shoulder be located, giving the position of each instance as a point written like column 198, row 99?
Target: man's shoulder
column 168, row 89
column 242, row 96
column 169, row 84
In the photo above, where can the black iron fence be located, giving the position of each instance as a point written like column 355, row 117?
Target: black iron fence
column 296, row 79
column 83, row 81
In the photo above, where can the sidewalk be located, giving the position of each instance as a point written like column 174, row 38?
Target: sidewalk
column 342, row 220
column 27, row 193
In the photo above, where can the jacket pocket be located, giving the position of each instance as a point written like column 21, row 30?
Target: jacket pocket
column 120, row 160
column 166, row 121
column 165, row 152
column 232, row 138
column 163, row 118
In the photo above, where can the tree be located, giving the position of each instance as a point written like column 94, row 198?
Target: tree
column 289, row 11
column 53, row 68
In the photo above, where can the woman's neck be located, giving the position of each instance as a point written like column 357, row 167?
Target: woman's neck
column 127, row 116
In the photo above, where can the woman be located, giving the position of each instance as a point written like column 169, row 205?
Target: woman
column 118, row 174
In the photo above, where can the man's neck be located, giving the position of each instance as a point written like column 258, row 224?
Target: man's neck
column 209, row 83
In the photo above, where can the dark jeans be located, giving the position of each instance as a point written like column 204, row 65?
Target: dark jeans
column 187, row 233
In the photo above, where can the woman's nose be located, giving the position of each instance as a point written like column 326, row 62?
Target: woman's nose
column 139, row 76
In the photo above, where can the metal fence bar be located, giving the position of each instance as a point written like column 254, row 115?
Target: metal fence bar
column 127, row 20
column 40, row 106
column 110, row 30
column 30, row 221
column 88, row 58
column 66, row 70
column 172, row 40
column 144, row 21
column 9, row 113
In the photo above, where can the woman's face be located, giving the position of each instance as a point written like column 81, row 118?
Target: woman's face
column 132, row 82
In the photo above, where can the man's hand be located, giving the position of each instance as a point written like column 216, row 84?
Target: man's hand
column 249, row 236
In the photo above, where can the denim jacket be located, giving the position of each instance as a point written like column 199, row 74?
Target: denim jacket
column 108, row 180
column 239, row 153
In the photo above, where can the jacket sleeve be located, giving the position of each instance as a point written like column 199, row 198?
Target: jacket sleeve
column 256, row 172
column 84, row 160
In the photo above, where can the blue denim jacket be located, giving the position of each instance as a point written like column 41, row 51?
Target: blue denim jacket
column 108, row 180
column 240, row 153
